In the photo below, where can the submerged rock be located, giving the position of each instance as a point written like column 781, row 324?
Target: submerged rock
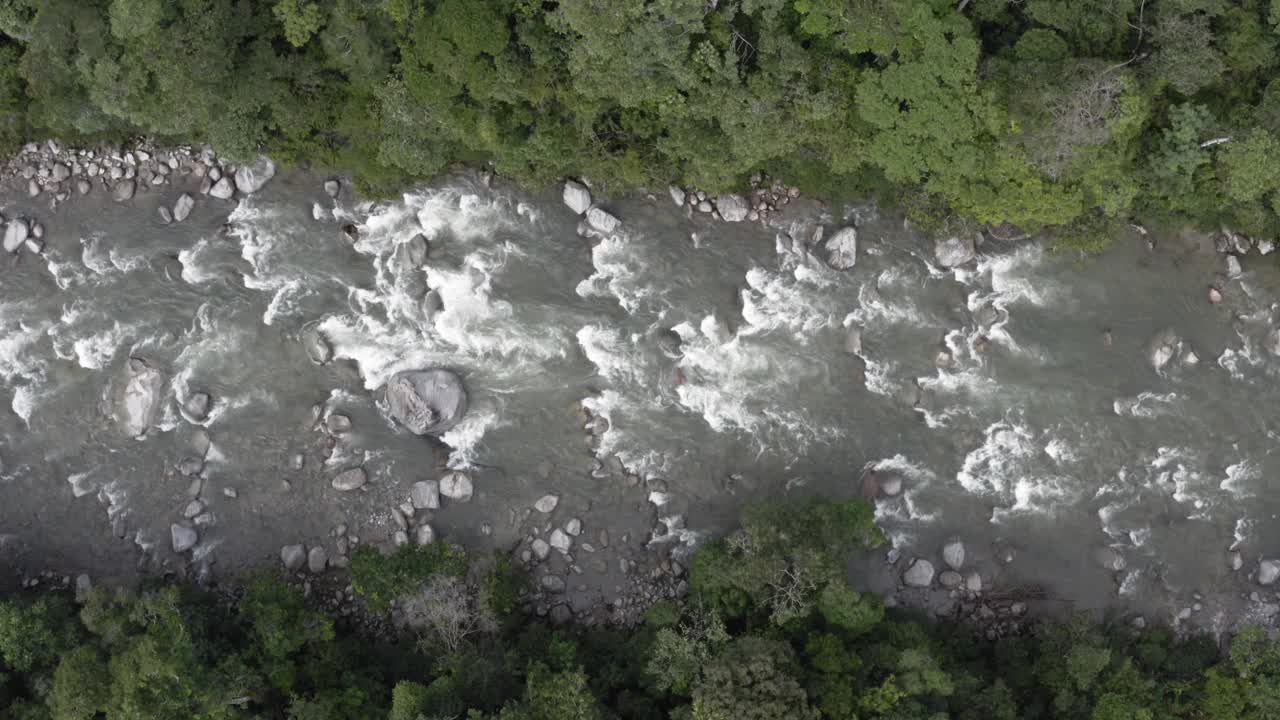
column 954, row 251
column 316, row 345
column 576, row 196
column 197, row 406
column 426, row 402
column 417, row 249
column 252, row 177
column 352, row 479
column 1109, row 558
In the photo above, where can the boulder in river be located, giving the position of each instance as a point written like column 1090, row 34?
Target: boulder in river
column 332, row 187
column 456, row 486
column 142, row 393
column 950, row 579
column 316, row 345
column 1162, row 348
column 955, row 250
column 317, row 559
column 842, row 249
column 182, row 206
column 417, row 250
column 337, row 424
column 920, row 574
column 602, row 221
column 252, row 177
column 677, row 195
column 732, row 208
column 576, row 196
column 432, row 305
column 953, row 554
column 293, row 557
column 1268, row 572
column 182, row 537
column 423, row 534
column 425, row 495
column 546, row 503
column 124, row 189
column 352, row 479
column 15, row 233
column 426, row 402
column 197, row 406
column 223, row 189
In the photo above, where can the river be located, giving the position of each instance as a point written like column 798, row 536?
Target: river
column 1038, row 453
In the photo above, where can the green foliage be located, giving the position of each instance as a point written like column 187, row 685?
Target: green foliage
column 301, row 20
column 381, row 579
column 851, row 611
column 33, row 635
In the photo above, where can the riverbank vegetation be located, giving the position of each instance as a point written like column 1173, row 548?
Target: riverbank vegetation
column 1083, row 114
column 771, row 630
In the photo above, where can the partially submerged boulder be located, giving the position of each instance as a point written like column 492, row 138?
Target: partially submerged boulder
column 842, row 249
column 426, row 402
column 732, row 208
column 576, row 196
column 352, row 479
column 137, row 408
column 252, row 177
column 954, row 251
column 602, row 221
column 1162, row 348
column 15, row 233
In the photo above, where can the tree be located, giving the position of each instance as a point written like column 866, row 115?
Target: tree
column 751, row 680
column 33, row 635
column 80, row 689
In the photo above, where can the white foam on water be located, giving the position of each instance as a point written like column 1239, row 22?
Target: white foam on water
column 22, row 366
column 1147, row 405
column 465, row 438
column 795, row 304
column 1242, row 478
column 194, row 270
column 1009, row 467
column 620, row 275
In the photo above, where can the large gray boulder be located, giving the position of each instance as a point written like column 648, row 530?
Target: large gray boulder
column 426, row 402
column 15, row 233
column 349, row 480
column 182, row 206
column 425, row 495
column 1268, row 572
column 252, row 177
column 954, row 251
column 183, row 538
column 733, row 208
column 456, row 486
column 842, row 249
column 920, row 574
column 953, row 554
column 223, row 189
column 576, row 196
column 602, row 221
column 137, row 409
column 293, row 557
column 124, row 190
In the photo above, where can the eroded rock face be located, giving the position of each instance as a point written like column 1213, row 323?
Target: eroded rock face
column 426, row 402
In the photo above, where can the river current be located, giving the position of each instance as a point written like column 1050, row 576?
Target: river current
column 1038, row 452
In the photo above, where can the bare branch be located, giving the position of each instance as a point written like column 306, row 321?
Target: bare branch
column 1215, row 141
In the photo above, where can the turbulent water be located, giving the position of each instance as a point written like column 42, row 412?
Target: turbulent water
column 1051, row 444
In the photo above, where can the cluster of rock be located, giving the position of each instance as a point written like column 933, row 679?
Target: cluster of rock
column 20, row 232
column 765, row 198
column 61, row 172
column 596, row 222
column 920, row 573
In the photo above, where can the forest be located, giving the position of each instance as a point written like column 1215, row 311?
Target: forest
column 771, row 630
column 1083, row 116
